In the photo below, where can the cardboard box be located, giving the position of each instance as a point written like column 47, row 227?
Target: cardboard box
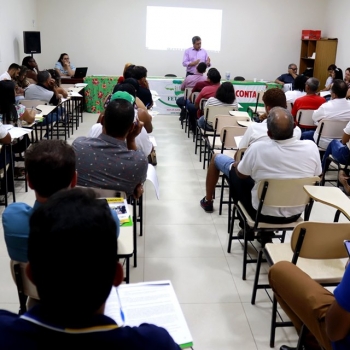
column 307, row 34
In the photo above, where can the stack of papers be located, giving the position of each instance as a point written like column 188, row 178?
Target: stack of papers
column 151, row 302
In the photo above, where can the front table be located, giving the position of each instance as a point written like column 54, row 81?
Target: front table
column 168, row 90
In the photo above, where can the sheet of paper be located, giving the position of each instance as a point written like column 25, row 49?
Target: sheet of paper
column 238, row 140
column 8, row 126
column 151, row 302
column 18, row 132
column 80, row 85
column 153, row 140
column 152, row 176
column 74, row 94
column 325, row 93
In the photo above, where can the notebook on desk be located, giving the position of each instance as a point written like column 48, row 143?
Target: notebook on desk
column 80, row 72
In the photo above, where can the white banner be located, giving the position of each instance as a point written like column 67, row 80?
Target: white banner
column 168, row 90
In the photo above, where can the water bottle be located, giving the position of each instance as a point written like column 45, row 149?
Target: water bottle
column 228, row 75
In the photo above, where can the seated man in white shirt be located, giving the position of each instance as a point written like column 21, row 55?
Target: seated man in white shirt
column 255, row 132
column 12, row 73
column 337, row 108
column 282, row 156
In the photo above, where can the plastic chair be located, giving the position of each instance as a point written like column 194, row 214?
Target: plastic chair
column 27, row 292
column 277, row 193
column 192, row 98
column 331, row 129
column 256, row 110
column 170, row 75
column 187, row 95
column 238, row 156
column 316, row 248
column 304, row 119
column 238, row 78
column 210, row 112
column 215, row 142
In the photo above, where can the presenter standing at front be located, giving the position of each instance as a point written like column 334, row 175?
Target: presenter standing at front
column 194, row 55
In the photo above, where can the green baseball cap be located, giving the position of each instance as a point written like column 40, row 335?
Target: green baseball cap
column 124, row 96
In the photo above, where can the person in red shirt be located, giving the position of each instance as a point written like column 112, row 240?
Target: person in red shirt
column 311, row 100
column 214, row 78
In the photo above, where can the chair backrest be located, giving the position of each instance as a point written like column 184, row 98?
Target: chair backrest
column 330, row 128
column 227, row 120
column 289, row 106
column 304, row 118
column 259, row 100
column 287, row 193
column 170, row 75
column 202, row 103
column 227, row 136
column 240, row 153
column 211, row 112
column 321, row 240
column 32, row 103
column 187, row 93
column 24, row 285
column 194, row 96
column 239, row 78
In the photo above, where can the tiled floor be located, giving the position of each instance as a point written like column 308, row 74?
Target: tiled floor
column 188, row 246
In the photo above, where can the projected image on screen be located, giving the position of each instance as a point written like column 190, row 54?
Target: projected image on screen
column 172, row 28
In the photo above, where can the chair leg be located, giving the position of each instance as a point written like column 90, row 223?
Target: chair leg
column 200, row 147
column 245, row 253
column 141, row 214
column 302, row 334
column 257, row 274
column 230, row 231
column 273, row 322
column 221, row 194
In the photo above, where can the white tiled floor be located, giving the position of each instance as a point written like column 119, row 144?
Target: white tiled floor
column 188, row 246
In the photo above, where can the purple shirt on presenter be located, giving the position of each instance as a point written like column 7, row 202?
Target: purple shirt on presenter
column 194, row 55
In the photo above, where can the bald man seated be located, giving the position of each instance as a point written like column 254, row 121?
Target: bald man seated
column 280, row 156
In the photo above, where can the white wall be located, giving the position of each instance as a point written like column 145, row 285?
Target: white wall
column 338, row 26
column 259, row 38
column 16, row 16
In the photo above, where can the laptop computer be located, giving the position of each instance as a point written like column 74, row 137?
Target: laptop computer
column 80, row 72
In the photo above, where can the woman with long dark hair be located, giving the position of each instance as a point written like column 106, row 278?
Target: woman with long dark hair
column 225, row 96
column 63, row 66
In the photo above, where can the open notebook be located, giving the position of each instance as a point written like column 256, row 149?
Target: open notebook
column 150, row 302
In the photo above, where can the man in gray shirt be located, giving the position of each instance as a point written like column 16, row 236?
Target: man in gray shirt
column 112, row 160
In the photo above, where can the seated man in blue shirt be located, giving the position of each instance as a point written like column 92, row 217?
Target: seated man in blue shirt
column 326, row 316
column 50, row 168
column 72, row 260
column 288, row 78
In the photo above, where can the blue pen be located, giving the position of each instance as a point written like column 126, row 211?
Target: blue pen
column 120, row 307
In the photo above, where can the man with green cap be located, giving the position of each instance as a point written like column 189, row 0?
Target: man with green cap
column 112, row 160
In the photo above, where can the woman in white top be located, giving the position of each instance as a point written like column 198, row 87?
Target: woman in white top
column 299, row 89
column 334, row 73
column 225, row 96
